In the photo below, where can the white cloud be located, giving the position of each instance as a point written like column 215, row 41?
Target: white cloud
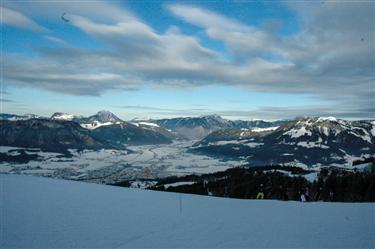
column 330, row 58
column 206, row 19
column 100, row 10
column 244, row 41
column 55, row 39
column 16, row 19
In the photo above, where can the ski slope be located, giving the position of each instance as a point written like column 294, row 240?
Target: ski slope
column 47, row 213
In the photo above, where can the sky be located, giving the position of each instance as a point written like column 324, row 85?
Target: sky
column 161, row 59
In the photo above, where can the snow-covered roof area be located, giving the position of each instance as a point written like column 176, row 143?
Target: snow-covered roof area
column 49, row 213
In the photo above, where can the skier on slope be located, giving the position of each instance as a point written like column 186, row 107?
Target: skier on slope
column 260, row 194
column 302, row 197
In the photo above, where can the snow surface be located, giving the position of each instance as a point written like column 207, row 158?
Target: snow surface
column 109, row 166
column 295, row 133
column 97, row 124
column 363, row 167
column 311, row 177
column 247, row 142
column 264, row 129
column 149, row 124
column 373, row 128
column 312, row 145
column 47, row 213
column 63, row 116
column 325, row 130
column 333, row 119
column 253, row 144
column 224, row 142
column 176, row 184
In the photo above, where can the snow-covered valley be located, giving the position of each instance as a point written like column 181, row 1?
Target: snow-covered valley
column 117, row 151
column 47, row 213
column 109, row 166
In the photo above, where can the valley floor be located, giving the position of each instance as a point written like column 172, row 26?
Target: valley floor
column 40, row 212
column 110, row 166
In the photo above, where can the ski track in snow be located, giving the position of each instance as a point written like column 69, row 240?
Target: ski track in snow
column 47, row 213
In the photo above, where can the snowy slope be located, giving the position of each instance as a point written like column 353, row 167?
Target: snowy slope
column 63, row 116
column 307, row 141
column 38, row 212
column 101, row 118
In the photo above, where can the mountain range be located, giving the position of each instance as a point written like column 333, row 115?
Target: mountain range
column 65, row 131
column 196, row 128
column 159, row 130
column 49, row 135
column 310, row 141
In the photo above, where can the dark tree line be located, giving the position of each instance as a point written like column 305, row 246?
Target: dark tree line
column 245, row 183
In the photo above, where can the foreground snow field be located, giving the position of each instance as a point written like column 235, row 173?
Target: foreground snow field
column 39, row 212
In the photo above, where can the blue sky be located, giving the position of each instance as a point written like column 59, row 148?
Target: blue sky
column 160, row 59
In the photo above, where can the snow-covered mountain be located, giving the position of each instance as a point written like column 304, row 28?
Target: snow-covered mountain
column 194, row 128
column 108, row 127
column 311, row 141
column 102, row 118
column 64, row 116
column 122, row 132
column 191, row 128
column 250, row 124
column 234, row 134
column 199, row 127
column 14, row 117
column 49, row 135
column 104, row 127
column 49, row 213
column 155, row 127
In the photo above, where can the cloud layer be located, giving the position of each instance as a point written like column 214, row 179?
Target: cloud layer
column 331, row 57
column 19, row 20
